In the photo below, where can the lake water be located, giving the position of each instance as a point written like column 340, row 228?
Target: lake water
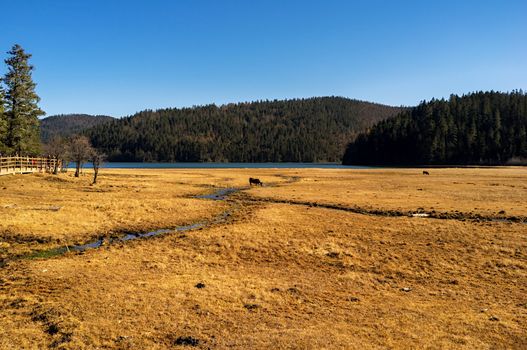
column 122, row 165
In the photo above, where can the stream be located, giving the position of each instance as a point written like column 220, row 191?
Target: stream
column 223, row 193
column 218, row 195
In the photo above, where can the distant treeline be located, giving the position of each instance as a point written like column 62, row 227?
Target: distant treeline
column 479, row 128
column 299, row 130
column 65, row 125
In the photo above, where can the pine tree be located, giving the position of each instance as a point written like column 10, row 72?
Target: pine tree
column 3, row 122
column 479, row 128
column 22, row 111
column 289, row 131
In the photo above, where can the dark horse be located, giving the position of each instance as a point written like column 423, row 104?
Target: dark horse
column 425, row 172
column 255, row 182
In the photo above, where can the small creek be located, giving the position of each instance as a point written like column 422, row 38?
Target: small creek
column 218, row 195
column 222, row 194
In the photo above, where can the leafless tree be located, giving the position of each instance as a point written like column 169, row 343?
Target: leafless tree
column 97, row 159
column 80, row 150
column 58, row 149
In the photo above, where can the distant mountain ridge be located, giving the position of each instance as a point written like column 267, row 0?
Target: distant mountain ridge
column 65, row 125
column 297, row 130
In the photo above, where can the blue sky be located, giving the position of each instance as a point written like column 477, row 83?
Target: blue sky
column 118, row 57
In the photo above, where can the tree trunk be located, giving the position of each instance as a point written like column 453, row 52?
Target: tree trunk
column 77, row 169
column 95, row 173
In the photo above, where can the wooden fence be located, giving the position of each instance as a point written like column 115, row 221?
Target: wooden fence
column 24, row 165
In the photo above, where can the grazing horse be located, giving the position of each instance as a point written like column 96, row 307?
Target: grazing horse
column 425, row 172
column 255, row 182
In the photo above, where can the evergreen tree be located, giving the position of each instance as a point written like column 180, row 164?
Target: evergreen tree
column 299, row 130
column 479, row 128
column 3, row 122
column 22, row 111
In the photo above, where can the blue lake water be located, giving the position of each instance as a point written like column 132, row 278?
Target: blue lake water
column 122, row 165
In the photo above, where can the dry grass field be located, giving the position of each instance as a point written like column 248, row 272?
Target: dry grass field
column 484, row 191
column 277, row 273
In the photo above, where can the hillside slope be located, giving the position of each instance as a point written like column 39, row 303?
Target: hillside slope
column 300, row 130
column 68, row 124
column 478, row 128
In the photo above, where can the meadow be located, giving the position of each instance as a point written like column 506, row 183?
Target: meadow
column 314, row 259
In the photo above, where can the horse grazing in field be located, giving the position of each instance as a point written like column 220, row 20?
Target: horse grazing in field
column 425, row 172
column 255, row 182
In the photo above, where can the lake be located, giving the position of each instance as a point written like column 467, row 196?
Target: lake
column 135, row 165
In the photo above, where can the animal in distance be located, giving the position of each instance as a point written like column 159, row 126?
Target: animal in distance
column 256, row 182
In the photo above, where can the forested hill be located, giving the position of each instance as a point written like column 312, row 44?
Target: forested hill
column 68, row 124
column 479, row 128
column 299, row 130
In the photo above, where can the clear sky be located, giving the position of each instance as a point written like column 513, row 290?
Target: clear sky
column 118, row 57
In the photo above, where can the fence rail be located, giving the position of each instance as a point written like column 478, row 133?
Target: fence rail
column 24, row 165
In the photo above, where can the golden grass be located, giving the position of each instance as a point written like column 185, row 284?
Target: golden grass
column 284, row 276
column 46, row 210
column 485, row 191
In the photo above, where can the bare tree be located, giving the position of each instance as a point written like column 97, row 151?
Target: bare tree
column 58, row 149
column 80, row 150
column 97, row 159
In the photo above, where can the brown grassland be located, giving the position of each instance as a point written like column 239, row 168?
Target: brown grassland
column 291, row 268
